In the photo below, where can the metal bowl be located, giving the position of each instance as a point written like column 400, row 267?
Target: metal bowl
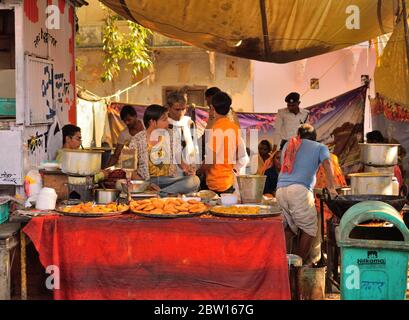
column 135, row 186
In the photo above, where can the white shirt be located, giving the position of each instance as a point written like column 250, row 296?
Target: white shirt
column 287, row 124
column 186, row 131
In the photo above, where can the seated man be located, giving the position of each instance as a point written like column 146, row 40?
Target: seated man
column 301, row 157
column 71, row 139
column 158, row 155
column 223, row 147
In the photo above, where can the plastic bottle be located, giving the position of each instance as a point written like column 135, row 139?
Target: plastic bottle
column 395, row 186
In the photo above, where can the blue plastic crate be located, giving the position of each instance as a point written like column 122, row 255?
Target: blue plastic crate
column 4, row 212
column 7, row 107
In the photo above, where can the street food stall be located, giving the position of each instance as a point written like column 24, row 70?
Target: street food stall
column 142, row 246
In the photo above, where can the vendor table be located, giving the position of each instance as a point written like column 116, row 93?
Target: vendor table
column 129, row 257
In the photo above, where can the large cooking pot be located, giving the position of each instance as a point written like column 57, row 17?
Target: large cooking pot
column 371, row 183
column 379, row 154
column 81, row 162
column 383, row 169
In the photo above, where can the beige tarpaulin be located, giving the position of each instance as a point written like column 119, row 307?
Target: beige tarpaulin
column 268, row 30
column 392, row 79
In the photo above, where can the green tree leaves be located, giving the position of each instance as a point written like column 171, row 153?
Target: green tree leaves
column 130, row 47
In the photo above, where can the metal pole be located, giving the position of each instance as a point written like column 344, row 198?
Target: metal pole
column 23, row 266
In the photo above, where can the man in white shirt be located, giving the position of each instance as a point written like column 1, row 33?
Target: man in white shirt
column 184, row 129
column 289, row 120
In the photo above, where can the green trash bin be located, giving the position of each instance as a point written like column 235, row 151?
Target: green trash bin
column 373, row 269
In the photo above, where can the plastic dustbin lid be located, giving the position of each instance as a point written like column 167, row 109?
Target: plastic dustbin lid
column 372, row 210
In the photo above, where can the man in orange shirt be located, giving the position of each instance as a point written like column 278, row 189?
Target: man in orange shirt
column 222, row 149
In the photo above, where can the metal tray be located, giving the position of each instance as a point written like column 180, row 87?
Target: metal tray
column 265, row 212
column 89, row 215
column 168, row 216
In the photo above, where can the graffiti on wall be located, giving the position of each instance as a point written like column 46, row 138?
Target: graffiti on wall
column 56, row 90
column 47, row 86
column 38, row 141
column 62, row 91
column 46, row 37
column 8, row 178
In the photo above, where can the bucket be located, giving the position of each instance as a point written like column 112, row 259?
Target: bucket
column 251, row 188
column 311, row 283
column 46, row 199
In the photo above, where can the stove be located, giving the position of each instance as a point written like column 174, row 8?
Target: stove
column 81, row 188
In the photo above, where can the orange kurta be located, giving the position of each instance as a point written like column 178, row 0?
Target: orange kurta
column 223, row 143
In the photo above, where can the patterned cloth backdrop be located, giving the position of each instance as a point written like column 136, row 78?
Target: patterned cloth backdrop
column 339, row 123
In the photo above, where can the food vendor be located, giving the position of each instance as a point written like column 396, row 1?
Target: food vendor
column 71, row 136
column 158, row 155
column 315, row 254
column 301, row 157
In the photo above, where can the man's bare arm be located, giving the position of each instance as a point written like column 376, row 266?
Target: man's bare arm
column 113, row 160
column 330, row 177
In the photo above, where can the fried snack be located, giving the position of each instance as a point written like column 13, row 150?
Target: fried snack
column 90, row 208
column 168, row 206
column 237, row 210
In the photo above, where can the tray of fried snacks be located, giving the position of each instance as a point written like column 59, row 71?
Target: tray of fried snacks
column 89, row 209
column 246, row 211
column 168, row 208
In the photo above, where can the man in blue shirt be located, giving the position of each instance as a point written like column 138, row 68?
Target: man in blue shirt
column 301, row 158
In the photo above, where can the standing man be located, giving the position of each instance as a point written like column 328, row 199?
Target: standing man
column 209, row 93
column 184, row 130
column 301, row 157
column 223, row 147
column 133, row 126
column 288, row 120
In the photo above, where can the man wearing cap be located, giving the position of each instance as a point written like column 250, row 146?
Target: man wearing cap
column 289, row 119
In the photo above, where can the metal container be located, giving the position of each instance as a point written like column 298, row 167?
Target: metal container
column 135, row 186
column 344, row 191
column 372, row 183
column 82, row 162
column 105, row 196
column 251, row 188
column 388, row 169
column 106, row 154
column 379, row 154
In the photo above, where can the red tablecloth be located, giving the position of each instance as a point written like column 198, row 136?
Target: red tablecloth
column 129, row 257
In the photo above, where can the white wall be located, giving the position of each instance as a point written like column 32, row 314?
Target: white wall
column 336, row 71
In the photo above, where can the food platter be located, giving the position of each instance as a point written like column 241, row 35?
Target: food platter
column 167, row 216
column 75, row 210
column 168, row 208
column 246, row 211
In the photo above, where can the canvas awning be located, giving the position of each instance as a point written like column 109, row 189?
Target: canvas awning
column 392, row 79
column 268, row 30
